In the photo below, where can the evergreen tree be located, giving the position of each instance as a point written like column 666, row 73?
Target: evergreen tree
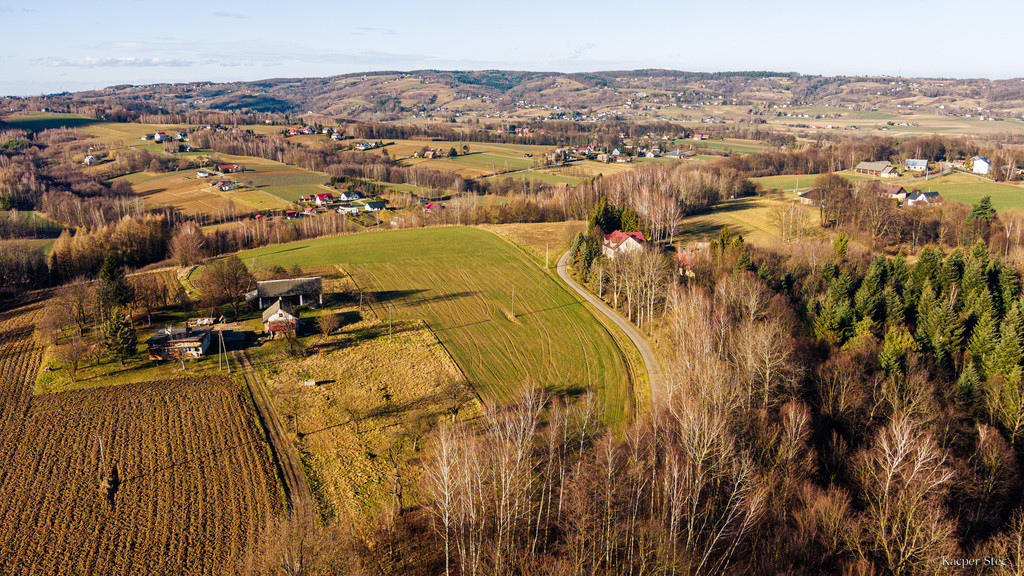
column 927, row 268
column 899, row 276
column 869, row 299
column 1009, row 287
column 1006, row 357
column 895, row 309
column 630, row 220
column 952, row 270
column 113, row 289
column 969, row 383
column 925, row 306
column 982, row 211
column 983, row 340
column 119, row 336
column 898, row 341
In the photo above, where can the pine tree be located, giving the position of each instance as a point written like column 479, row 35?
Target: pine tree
column 952, row 270
column 898, row 341
column 119, row 336
column 895, row 308
column 1009, row 287
column 983, row 340
column 969, row 383
column 1006, row 357
column 925, row 306
column 114, row 289
column 869, row 298
column 630, row 220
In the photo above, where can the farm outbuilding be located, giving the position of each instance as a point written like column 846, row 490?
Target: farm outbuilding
column 296, row 291
column 280, row 316
column 980, row 165
column 173, row 343
column 881, row 169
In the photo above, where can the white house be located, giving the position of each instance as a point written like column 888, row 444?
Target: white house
column 89, row 160
column 620, row 242
column 349, row 195
column 917, row 197
column 916, row 165
column 348, row 209
column 980, row 165
column 374, row 206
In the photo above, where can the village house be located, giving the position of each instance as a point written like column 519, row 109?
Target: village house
column 895, row 191
column 348, row 210
column 915, row 165
column 174, row 343
column 159, row 136
column 296, row 291
column 349, row 195
column 227, row 185
column 89, row 160
column 917, row 197
column 280, row 316
column 290, row 214
column 980, row 165
column 228, row 168
column 374, row 206
column 881, row 168
column 324, row 199
column 620, row 242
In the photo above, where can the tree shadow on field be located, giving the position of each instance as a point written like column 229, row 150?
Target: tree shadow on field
column 550, row 308
column 404, row 297
column 16, row 333
column 186, row 462
column 18, row 305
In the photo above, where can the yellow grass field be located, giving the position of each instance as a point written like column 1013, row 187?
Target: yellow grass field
column 536, row 238
column 750, row 217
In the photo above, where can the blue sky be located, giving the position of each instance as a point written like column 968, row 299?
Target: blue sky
column 48, row 46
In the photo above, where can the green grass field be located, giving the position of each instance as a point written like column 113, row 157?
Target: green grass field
column 969, row 189
column 460, row 281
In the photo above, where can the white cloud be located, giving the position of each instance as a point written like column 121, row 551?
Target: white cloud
column 90, row 62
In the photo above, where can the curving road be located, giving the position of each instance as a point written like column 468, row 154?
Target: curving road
column 654, row 375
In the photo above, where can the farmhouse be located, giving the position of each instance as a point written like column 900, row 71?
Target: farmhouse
column 225, row 186
column 980, row 165
column 882, row 169
column 350, row 195
column 280, row 316
column 173, row 343
column 348, row 209
column 324, row 199
column 290, row 214
column 620, row 242
column 299, row 291
column 159, row 136
column 374, row 206
column 917, row 197
column 895, row 191
column 915, row 165
column 202, row 174
column 228, row 168
column 89, row 160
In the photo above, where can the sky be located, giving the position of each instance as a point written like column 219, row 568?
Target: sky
column 51, row 46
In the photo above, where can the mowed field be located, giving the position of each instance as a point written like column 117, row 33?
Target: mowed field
column 460, row 281
column 195, row 483
column 191, row 195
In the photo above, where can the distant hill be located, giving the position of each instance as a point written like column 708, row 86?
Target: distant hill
column 398, row 95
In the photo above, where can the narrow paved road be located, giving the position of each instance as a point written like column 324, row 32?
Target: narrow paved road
column 654, row 375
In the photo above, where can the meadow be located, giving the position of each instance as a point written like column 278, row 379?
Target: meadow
column 750, row 217
column 968, row 189
column 459, row 280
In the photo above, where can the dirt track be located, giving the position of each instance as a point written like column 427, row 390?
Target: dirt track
column 290, row 466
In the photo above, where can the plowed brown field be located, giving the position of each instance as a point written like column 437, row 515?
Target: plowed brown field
column 196, row 484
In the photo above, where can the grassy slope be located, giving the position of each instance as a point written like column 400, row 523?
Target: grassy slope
column 459, row 280
column 969, row 189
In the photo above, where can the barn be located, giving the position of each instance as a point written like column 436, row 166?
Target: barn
column 294, row 291
column 882, row 169
column 280, row 316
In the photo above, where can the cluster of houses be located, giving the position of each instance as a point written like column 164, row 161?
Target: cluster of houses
column 279, row 300
column 897, row 193
column 165, row 137
column 316, row 203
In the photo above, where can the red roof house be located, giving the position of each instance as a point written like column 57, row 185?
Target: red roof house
column 325, row 198
column 620, row 242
